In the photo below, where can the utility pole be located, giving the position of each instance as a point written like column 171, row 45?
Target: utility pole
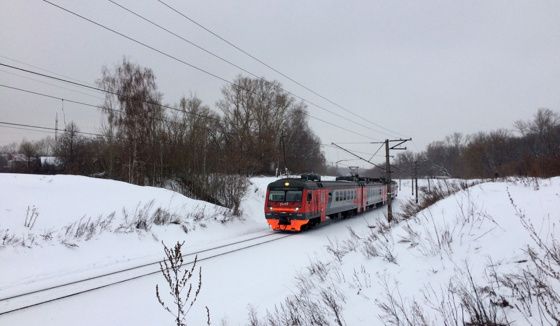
column 412, row 180
column 388, row 180
column 416, row 179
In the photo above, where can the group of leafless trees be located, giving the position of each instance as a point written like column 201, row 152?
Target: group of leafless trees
column 532, row 149
column 258, row 128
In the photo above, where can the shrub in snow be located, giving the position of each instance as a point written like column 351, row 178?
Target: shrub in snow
column 31, row 217
column 430, row 196
column 183, row 288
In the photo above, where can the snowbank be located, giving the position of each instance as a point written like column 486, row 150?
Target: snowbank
column 463, row 251
column 64, row 227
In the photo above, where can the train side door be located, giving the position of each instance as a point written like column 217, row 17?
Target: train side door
column 323, row 204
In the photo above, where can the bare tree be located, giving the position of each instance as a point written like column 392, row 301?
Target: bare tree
column 30, row 151
column 135, row 116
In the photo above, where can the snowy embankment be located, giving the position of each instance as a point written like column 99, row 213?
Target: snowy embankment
column 489, row 255
column 467, row 250
column 63, row 228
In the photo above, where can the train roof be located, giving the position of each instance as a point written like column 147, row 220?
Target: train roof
column 314, row 182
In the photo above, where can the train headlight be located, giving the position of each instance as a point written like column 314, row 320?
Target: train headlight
column 286, row 184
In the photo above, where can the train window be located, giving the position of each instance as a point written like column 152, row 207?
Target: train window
column 276, row 195
column 309, row 196
column 293, row 195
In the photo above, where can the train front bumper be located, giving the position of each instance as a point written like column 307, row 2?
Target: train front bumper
column 280, row 221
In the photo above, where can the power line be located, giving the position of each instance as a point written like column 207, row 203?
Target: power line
column 229, row 62
column 113, row 110
column 54, row 97
column 53, row 85
column 37, row 67
column 155, row 103
column 272, row 68
column 353, row 150
column 26, row 129
column 100, row 89
column 375, row 152
column 195, row 67
column 361, row 158
column 46, row 128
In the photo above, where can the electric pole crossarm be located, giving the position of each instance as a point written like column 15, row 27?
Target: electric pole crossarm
column 401, row 141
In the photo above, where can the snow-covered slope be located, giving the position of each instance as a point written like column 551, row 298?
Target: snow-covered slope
column 463, row 256
column 63, row 227
column 357, row 270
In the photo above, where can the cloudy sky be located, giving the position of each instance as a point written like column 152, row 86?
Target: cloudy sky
column 420, row 69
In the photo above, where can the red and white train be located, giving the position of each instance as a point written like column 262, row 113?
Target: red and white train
column 297, row 204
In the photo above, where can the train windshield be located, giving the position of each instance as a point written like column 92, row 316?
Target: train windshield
column 285, row 196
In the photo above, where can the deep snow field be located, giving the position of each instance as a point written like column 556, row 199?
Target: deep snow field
column 358, row 271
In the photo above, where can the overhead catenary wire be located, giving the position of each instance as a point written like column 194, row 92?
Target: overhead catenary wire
column 51, row 84
column 100, row 107
column 272, row 68
column 155, row 103
column 361, row 158
column 175, row 58
column 377, row 151
column 14, row 124
column 353, row 150
column 26, row 129
column 39, row 68
column 231, row 63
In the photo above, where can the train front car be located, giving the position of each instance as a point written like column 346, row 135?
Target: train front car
column 291, row 204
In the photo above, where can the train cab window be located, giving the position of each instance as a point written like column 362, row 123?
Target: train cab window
column 285, row 196
column 309, row 197
column 276, row 195
column 293, row 195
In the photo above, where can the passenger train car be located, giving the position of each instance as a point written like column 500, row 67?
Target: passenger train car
column 296, row 204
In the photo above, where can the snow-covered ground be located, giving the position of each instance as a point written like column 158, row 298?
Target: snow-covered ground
column 356, row 262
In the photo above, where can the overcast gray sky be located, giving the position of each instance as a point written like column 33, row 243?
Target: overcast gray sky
column 424, row 69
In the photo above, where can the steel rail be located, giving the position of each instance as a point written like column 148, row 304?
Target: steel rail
column 134, row 277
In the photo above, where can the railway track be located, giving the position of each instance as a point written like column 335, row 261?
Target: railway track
column 26, row 300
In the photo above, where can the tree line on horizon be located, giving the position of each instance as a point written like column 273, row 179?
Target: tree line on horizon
column 531, row 149
column 257, row 128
